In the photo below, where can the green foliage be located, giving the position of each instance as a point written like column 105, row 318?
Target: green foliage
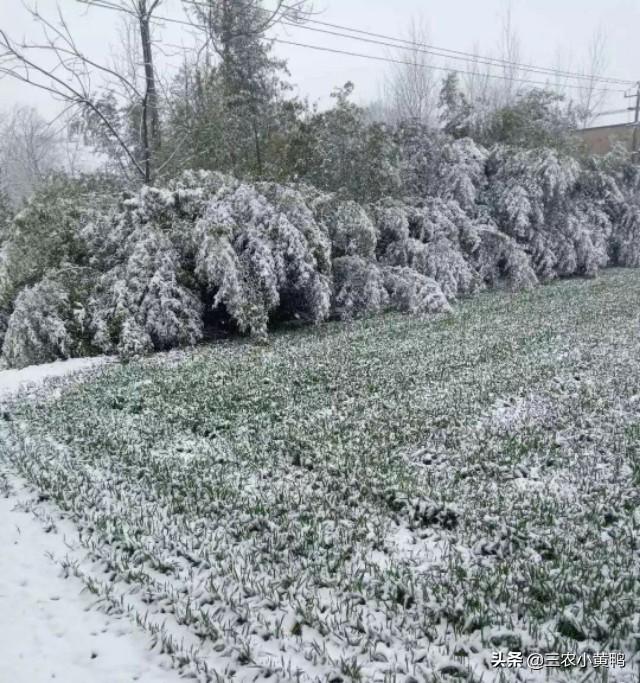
column 338, row 150
column 46, row 232
column 50, row 319
column 168, row 262
column 266, row 135
column 230, row 117
column 537, row 118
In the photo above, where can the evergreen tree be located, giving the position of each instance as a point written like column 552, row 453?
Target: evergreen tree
column 339, row 150
column 245, row 90
column 455, row 110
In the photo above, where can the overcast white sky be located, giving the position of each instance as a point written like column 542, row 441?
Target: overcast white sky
column 546, row 29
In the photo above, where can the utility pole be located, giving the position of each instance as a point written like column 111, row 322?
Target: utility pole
column 636, row 124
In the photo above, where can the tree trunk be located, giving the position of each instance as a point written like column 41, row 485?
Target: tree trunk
column 150, row 119
column 256, row 139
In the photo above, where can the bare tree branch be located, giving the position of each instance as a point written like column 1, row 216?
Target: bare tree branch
column 590, row 97
column 411, row 87
column 16, row 64
column 70, row 78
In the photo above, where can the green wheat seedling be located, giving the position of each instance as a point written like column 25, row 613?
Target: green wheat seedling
column 392, row 500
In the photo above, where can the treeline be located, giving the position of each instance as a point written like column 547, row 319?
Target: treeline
column 263, row 208
column 88, row 269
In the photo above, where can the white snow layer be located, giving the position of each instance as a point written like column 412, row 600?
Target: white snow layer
column 48, row 629
column 11, row 381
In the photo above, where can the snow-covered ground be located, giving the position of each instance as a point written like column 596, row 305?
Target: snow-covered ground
column 48, row 627
column 338, row 506
column 12, row 381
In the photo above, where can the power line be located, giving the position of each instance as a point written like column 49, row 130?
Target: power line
column 613, row 111
column 494, row 61
column 473, row 56
column 477, row 60
column 448, row 52
column 428, row 66
column 390, row 60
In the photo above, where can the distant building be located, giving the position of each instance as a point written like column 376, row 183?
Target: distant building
column 601, row 139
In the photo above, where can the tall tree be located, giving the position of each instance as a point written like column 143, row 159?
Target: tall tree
column 591, row 95
column 455, row 109
column 144, row 10
column 30, row 150
column 411, row 89
column 250, row 77
column 509, row 47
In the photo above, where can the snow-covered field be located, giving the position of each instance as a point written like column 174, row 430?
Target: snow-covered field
column 391, row 500
column 48, row 627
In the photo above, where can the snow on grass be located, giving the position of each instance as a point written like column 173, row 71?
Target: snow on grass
column 49, row 629
column 388, row 500
column 49, row 625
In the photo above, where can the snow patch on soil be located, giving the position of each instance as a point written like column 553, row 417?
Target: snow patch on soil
column 13, row 381
column 49, row 629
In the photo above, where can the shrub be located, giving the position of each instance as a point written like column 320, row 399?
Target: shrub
column 436, row 239
column 412, row 292
column 349, row 227
column 500, row 260
column 47, row 231
column 626, row 238
column 462, row 173
column 141, row 305
column 49, row 321
column 444, row 263
column 80, row 270
column 255, row 259
column 358, row 287
column 560, row 215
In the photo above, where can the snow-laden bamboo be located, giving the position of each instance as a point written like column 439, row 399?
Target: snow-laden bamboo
column 161, row 265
